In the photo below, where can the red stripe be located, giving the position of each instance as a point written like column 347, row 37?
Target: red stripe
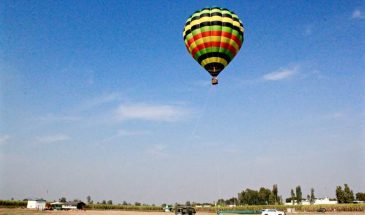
column 214, row 33
column 214, row 44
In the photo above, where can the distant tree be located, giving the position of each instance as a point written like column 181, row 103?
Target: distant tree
column 298, row 193
column 263, row 196
column 124, row 203
column 63, row 199
column 340, row 195
column 110, row 202
column 272, row 199
column 360, row 196
column 103, row 202
column 231, row 201
column 188, row 203
column 312, row 198
column 275, row 193
column 163, row 205
column 221, row 202
column 292, row 195
column 137, row 204
column 252, row 197
column 88, row 199
column 349, row 195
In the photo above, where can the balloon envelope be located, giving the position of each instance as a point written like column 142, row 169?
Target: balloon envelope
column 213, row 36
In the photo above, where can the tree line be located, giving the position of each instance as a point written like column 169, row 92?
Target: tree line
column 265, row 196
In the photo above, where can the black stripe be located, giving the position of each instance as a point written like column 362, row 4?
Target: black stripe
column 214, row 54
column 216, row 14
column 219, row 23
column 214, row 68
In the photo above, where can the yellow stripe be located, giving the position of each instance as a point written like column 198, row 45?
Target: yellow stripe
column 212, row 19
column 213, row 39
column 214, row 60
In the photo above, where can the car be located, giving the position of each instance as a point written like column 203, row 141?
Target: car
column 184, row 210
column 272, row 212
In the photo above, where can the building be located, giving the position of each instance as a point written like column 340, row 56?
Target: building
column 39, row 204
column 319, row 201
column 74, row 205
column 57, row 205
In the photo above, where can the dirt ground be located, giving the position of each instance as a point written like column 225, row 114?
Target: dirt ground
column 7, row 211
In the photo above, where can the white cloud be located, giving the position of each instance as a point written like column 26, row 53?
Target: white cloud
column 4, row 139
column 53, row 138
column 97, row 101
column 151, row 112
column 357, row 14
column 282, row 73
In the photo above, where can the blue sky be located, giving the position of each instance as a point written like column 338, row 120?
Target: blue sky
column 102, row 99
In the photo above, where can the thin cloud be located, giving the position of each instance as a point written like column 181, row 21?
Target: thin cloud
column 167, row 113
column 357, row 14
column 4, row 139
column 281, row 74
column 53, row 138
column 97, row 101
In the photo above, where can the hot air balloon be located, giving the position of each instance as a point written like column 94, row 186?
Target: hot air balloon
column 213, row 36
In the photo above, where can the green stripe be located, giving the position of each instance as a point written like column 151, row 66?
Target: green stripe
column 213, row 49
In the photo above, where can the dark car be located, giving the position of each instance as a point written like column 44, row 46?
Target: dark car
column 182, row 210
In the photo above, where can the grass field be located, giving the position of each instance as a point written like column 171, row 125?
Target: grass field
column 18, row 211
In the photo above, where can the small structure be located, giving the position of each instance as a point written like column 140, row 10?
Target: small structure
column 318, row 201
column 74, row 205
column 57, row 205
column 39, row 204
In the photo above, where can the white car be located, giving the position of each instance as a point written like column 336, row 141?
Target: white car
column 272, row 212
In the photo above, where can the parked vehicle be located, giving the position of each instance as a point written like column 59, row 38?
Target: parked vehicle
column 272, row 212
column 184, row 210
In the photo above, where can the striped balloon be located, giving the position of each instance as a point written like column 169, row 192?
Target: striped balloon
column 213, row 36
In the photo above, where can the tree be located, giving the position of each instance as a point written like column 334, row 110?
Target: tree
column 103, row 202
column 62, row 199
column 340, row 195
column 360, row 196
column 312, row 198
column 349, row 195
column 124, row 203
column 188, row 203
column 110, row 202
column 88, row 199
column 275, row 193
column 292, row 195
column 221, row 202
column 137, row 204
column 272, row 199
column 263, row 196
column 298, row 193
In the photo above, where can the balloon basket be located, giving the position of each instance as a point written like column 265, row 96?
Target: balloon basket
column 214, row 81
